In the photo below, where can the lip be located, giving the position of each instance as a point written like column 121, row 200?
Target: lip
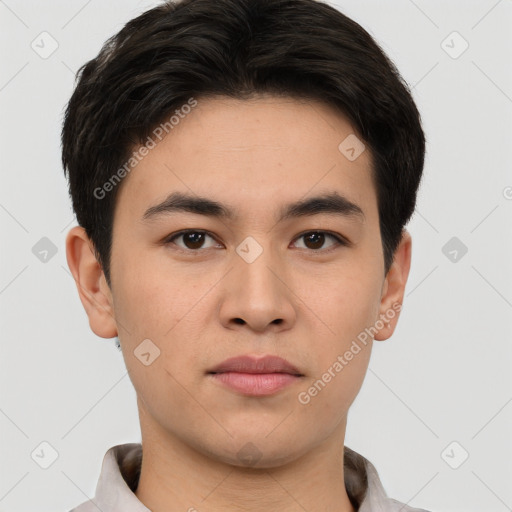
column 256, row 376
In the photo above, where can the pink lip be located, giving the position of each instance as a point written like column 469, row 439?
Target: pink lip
column 256, row 376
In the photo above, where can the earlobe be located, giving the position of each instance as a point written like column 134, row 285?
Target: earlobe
column 92, row 288
column 394, row 287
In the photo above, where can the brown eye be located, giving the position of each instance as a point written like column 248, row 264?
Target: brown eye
column 192, row 240
column 315, row 240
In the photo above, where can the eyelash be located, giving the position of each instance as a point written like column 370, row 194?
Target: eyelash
column 341, row 241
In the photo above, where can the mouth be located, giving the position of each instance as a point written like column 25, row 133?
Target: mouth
column 256, row 376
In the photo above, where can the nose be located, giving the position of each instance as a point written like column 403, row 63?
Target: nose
column 258, row 295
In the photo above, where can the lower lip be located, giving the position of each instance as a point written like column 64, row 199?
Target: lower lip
column 256, row 384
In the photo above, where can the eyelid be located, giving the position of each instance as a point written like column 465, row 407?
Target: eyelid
column 170, row 238
column 340, row 239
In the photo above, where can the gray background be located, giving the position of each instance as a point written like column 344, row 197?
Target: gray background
column 443, row 377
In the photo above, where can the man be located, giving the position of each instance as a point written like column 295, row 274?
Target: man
column 242, row 172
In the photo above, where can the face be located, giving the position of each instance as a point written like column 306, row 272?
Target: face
column 193, row 287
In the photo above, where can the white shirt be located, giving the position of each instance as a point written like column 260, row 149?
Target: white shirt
column 117, row 483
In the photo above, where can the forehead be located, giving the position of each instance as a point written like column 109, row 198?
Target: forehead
column 250, row 153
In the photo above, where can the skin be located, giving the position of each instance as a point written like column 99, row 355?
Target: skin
column 200, row 308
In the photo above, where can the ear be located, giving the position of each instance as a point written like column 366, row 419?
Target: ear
column 90, row 280
column 394, row 287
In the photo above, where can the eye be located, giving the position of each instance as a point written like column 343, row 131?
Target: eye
column 192, row 239
column 314, row 240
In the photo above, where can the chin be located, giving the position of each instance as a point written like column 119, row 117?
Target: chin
column 258, row 452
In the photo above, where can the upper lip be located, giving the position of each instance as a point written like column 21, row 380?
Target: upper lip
column 253, row 364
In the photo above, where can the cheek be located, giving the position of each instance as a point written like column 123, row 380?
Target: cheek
column 345, row 305
column 163, row 307
column 149, row 299
column 342, row 345
column 324, row 402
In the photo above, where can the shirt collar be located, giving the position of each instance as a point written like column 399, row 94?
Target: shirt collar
column 121, row 470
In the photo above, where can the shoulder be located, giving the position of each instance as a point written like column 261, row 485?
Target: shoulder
column 398, row 506
column 118, row 480
column 88, row 506
column 371, row 495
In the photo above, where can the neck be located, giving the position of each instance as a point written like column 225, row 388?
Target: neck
column 175, row 477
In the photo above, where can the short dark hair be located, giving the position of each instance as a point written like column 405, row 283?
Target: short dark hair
column 303, row 49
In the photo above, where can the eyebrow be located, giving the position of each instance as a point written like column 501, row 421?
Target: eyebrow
column 329, row 203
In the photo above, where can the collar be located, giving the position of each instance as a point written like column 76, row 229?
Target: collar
column 121, row 470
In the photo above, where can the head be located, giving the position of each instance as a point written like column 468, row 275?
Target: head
column 293, row 151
